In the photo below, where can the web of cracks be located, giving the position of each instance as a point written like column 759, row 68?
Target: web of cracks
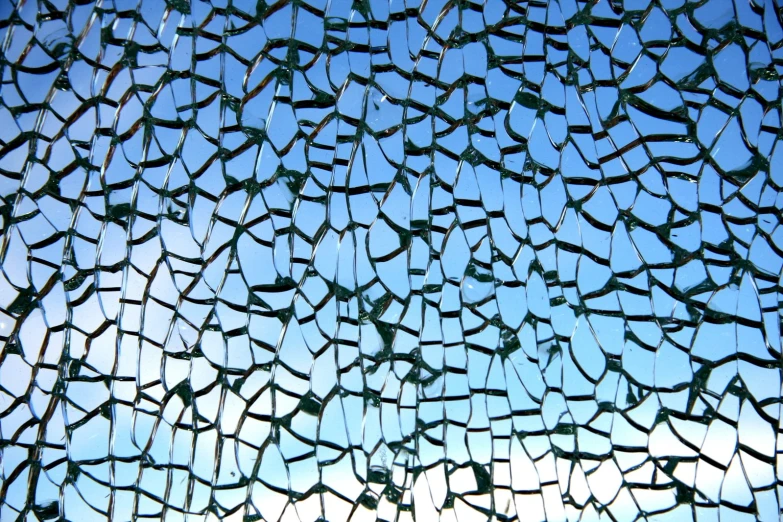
column 449, row 260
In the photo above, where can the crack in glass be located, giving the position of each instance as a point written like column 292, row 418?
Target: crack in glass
column 331, row 260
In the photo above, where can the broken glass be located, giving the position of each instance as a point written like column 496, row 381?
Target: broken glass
column 390, row 260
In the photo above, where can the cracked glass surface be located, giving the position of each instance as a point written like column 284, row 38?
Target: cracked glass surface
column 370, row 260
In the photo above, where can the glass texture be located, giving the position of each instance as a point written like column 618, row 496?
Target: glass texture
column 330, row 260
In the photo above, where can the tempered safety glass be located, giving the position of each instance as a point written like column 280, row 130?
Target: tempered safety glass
column 329, row 260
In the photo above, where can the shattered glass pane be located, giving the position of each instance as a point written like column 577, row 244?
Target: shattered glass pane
column 391, row 260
